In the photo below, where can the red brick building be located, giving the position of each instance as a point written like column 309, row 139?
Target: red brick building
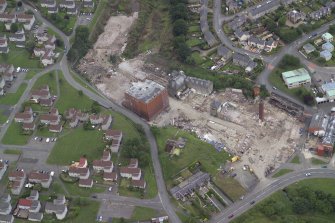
column 147, row 99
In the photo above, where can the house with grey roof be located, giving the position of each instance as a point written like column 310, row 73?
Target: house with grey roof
column 60, row 210
column 322, row 12
column 256, row 42
column 244, row 61
column 328, row 46
column 309, row 48
column 241, row 35
column 8, row 218
column 224, row 52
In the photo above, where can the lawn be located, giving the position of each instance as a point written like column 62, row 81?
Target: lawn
column 193, row 29
column 13, row 98
column 77, row 142
column 3, row 117
column 194, row 42
column 75, row 190
column 66, row 25
column 282, row 172
column 13, row 135
column 70, row 97
column 295, row 160
column 231, row 187
column 47, row 79
column 20, row 57
column 255, row 215
column 316, row 161
column 143, row 213
column 195, row 150
column 198, row 59
column 31, row 74
column 12, row 151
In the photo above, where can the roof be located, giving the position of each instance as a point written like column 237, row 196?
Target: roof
column 138, row 183
column 106, row 155
column 82, row 162
column 112, row 175
column 25, row 202
column 111, row 133
column 49, row 117
column 327, row 36
column 86, row 182
column 132, row 171
column 295, row 76
column 145, row 91
column 81, row 171
column 329, row 88
column 329, row 137
column 326, row 53
column 16, row 174
column 327, row 45
column 319, row 121
column 35, row 216
column 60, row 199
column 223, row 51
column 309, row 47
column 133, row 163
column 28, row 125
column 56, row 208
column 55, row 127
column 266, row 6
column 6, row 218
column 102, row 163
column 39, row 176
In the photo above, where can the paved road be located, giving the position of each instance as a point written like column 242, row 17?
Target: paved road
column 101, row 99
column 244, row 205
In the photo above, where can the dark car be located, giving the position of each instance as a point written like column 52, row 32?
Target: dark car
column 252, row 202
column 94, row 196
column 230, row 216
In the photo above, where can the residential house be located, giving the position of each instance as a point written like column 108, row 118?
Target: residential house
column 96, row 119
column 56, row 128
column 42, row 93
column 29, row 126
column 224, row 52
column 17, row 179
column 256, row 42
column 30, row 205
column 34, row 195
column 3, row 6
column 106, row 122
column 82, row 116
column 270, row 45
column 82, row 163
column 133, row 173
column 72, row 11
column 133, row 163
column 101, row 165
column 47, row 58
column 50, row 45
column 326, row 55
column 39, row 51
column 67, row 4
column 4, row 45
column 110, row 177
column 244, row 61
column 28, row 20
column 237, row 22
column 327, row 37
column 88, row 4
column 25, row 117
column 48, row 3
column 74, row 122
column 42, row 37
column 50, row 119
column 52, row 9
column 60, row 210
column 7, row 19
column 60, row 199
column 308, row 48
column 81, row 173
column 318, row 14
column 241, row 35
column 113, row 134
column 328, row 46
column 18, row 37
column 88, row 183
column 43, row 178
column 6, row 218
column 115, row 146
column 232, row 5
column 46, row 102
column 262, row 9
column 138, row 184
column 35, row 216
column 295, row 16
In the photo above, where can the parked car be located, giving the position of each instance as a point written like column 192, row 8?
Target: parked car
column 252, row 202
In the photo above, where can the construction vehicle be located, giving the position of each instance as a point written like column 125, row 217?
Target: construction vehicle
column 235, row 158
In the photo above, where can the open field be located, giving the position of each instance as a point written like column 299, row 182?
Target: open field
column 13, row 135
column 295, row 160
column 75, row 190
column 231, row 187
column 195, row 150
column 20, row 57
column 12, row 151
column 286, row 213
column 316, row 161
column 13, row 98
column 282, row 172
column 143, row 213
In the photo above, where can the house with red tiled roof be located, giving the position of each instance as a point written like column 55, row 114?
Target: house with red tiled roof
column 138, row 184
column 106, row 155
column 25, row 117
column 17, row 179
column 133, row 173
column 28, row 126
column 44, row 179
column 56, row 128
column 28, row 20
column 7, row 18
column 88, row 183
column 106, row 122
column 82, row 163
column 113, row 134
column 81, row 173
column 110, row 177
column 42, row 93
column 30, row 205
column 46, row 102
column 101, row 165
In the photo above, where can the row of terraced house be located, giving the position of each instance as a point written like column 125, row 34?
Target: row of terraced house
column 71, row 6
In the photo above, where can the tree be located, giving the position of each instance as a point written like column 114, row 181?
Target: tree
column 282, row 20
column 95, row 107
column 19, row 4
column 30, row 45
column 289, row 61
column 180, row 27
column 59, row 43
column 179, row 11
column 332, row 29
column 14, row 28
column 80, row 93
column 301, row 205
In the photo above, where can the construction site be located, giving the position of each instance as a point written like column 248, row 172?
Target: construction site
column 235, row 127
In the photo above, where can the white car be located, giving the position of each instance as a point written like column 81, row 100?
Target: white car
column 47, row 140
column 308, row 174
column 52, row 173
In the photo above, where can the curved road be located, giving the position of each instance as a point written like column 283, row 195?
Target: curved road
column 102, row 100
column 288, row 179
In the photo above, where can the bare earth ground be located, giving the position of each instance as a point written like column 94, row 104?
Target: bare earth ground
column 260, row 145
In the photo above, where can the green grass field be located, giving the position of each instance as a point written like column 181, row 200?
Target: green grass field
column 102, row 4
column 75, row 190
column 195, row 150
column 47, row 79
column 13, row 98
column 282, row 172
column 12, row 151
column 13, row 135
column 316, row 161
column 295, row 160
column 231, row 187
column 143, row 213
column 254, row 215
column 3, row 117
column 20, row 57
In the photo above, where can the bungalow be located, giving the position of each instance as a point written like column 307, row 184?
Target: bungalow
column 5, row 208
column 3, row 168
column 29, row 126
column 42, row 93
column 7, row 18
column 24, row 117
column 48, row 3
column 74, row 122
column 46, row 102
column 44, row 179
column 133, row 173
column 113, row 134
column 110, row 177
column 106, row 122
column 3, row 5
column 139, row 184
column 28, row 20
column 60, row 210
column 30, row 205
column 50, row 119
column 35, row 216
column 6, row 218
column 67, row 4
column 96, row 119
column 56, row 128
column 106, row 155
column 81, row 173
column 88, row 183
column 101, row 165
column 17, row 178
